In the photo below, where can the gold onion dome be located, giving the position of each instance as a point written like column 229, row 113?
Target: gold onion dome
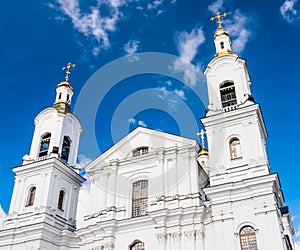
column 65, row 83
column 221, row 31
column 203, row 152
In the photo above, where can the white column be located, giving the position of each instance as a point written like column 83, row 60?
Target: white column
column 14, row 195
column 189, row 240
column 111, row 186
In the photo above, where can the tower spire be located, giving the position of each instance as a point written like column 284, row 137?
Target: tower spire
column 218, row 19
column 67, row 69
column 64, row 92
column 222, row 39
column 203, row 150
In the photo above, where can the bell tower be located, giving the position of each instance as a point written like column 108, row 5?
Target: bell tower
column 234, row 124
column 57, row 129
column 43, row 207
column 242, row 191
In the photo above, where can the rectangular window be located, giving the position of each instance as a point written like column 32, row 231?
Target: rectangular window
column 139, row 198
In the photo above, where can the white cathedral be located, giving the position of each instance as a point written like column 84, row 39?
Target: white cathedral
column 154, row 190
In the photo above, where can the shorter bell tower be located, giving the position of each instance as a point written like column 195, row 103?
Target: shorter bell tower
column 57, row 129
column 42, row 213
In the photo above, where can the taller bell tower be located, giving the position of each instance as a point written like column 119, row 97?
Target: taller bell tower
column 243, row 194
column 234, row 123
column 43, row 207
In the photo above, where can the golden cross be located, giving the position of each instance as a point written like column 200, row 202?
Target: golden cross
column 67, row 69
column 218, row 17
column 202, row 133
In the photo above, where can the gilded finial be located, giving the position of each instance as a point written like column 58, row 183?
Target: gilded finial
column 202, row 133
column 67, row 69
column 218, row 18
column 203, row 151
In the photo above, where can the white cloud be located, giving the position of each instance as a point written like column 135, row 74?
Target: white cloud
column 187, row 45
column 2, row 217
column 137, row 122
column 216, row 6
column 170, row 97
column 93, row 23
column 154, row 5
column 238, row 30
column 131, row 47
column 180, row 93
column 141, row 123
column 289, row 11
column 164, row 93
column 83, row 161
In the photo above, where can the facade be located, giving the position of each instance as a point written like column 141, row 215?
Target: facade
column 154, row 190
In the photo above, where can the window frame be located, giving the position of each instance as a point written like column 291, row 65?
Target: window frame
column 45, row 139
column 227, row 91
column 31, row 196
column 66, row 147
column 135, row 244
column 140, row 151
column 139, row 198
column 248, row 238
column 61, row 199
column 232, row 149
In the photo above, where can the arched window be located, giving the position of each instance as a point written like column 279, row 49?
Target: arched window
column 68, row 98
column 248, row 238
column 228, row 96
column 137, row 245
column 61, row 199
column 59, row 96
column 31, row 195
column 66, row 149
column 45, row 142
column 139, row 198
column 140, row 151
column 235, row 149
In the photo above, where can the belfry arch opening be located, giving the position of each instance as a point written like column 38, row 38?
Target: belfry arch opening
column 228, row 95
column 44, row 145
column 65, row 151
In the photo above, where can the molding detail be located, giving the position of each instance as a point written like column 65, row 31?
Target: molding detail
column 190, row 235
column 161, row 238
column 176, row 236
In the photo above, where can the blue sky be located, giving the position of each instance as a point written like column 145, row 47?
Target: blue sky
column 39, row 37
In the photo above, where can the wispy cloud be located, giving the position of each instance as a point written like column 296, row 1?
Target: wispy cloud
column 289, row 12
column 187, row 45
column 83, row 161
column 137, row 122
column 239, row 29
column 164, row 93
column 154, row 5
column 237, row 24
column 171, row 96
column 2, row 217
column 93, row 23
column 131, row 47
column 215, row 6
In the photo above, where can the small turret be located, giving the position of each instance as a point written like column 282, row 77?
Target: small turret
column 203, row 153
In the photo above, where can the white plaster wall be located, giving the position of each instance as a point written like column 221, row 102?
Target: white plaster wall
column 59, row 125
column 223, row 69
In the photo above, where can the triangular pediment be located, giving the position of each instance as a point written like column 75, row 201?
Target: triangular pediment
column 141, row 138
